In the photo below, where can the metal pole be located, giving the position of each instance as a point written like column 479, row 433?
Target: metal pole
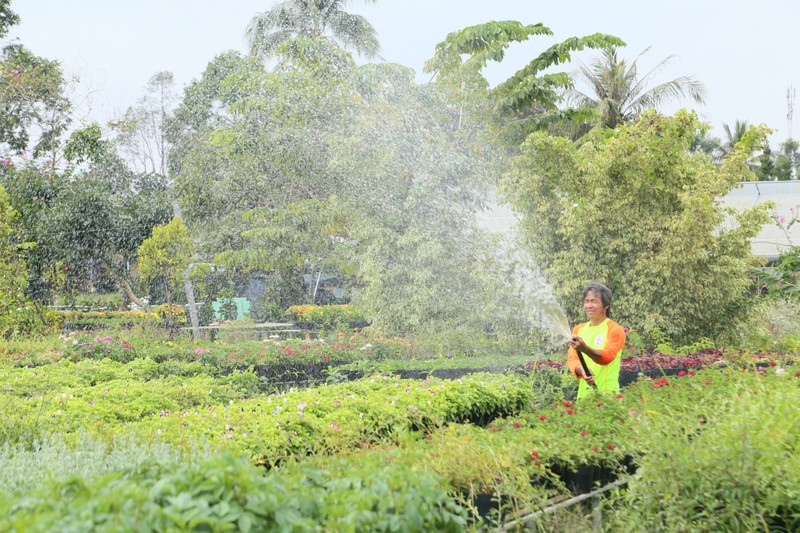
column 523, row 521
column 597, row 515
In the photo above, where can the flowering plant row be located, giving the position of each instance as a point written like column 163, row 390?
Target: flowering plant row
column 227, row 412
column 656, row 361
column 345, row 348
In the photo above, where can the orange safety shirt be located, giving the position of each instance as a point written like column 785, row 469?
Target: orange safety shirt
column 607, row 338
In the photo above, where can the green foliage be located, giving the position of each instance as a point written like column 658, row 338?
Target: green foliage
column 328, row 317
column 737, row 458
column 634, row 208
column 619, row 94
column 294, row 18
column 86, row 145
column 223, row 493
column 526, row 101
column 7, row 17
column 166, row 255
column 17, row 315
column 53, row 459
column 32, row 97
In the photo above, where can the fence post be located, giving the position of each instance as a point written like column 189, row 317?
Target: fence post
column 597, row 515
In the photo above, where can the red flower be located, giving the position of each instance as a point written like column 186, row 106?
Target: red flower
column 611, row 446
column 517, row 424
column 567, row 404
column 535, row 454
column 599, row 404
column 584, row 433
column 570, row 411
column 681, row 374
column 542, row 417
column 619, row 395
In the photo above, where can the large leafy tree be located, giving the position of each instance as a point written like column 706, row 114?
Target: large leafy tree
column 635, row 208
column 32, row 101
column 311, row 18
column 7, row 17
column 529, row 99
column 260, row 153
column 142, row 130
column 88, row 223
column 16, row 310
column 619, row 93
column 413, row 178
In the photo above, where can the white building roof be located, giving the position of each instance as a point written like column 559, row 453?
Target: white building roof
column 770, row 243
column 773, row 240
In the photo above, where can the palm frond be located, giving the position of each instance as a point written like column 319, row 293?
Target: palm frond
column 354, row 31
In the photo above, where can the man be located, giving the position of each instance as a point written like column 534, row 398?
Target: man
column 599, row 340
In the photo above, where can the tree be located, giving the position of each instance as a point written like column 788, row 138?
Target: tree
column 32, row 98
column 636, row 209
column 298, row 239
column 271, row 144
column 141, row 132
column 788, row 160
column 166, row 255
column 733, row 135
column 528, row 100
column 413, row 178
column 17, row 314
column 311, row 18
column 765, row 168
column 619, row 94
column 7, row 17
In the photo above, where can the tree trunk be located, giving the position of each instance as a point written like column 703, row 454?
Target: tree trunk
column 190, row 303
column 188, row 288
column 127, row 288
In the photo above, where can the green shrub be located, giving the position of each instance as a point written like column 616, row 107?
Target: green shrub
column 726, row 462
column 223, row 493
column 327, row 317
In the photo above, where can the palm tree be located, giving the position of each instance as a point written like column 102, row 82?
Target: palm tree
column 733, row 136
column 619, row 93
column 311, row 18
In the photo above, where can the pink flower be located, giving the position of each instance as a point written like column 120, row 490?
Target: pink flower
column 584, row 433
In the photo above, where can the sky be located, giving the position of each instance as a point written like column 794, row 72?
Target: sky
column 746, row 53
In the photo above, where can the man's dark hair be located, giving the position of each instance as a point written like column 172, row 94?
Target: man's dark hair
column 604, row 293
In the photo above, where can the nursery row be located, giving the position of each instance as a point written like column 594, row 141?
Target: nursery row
column 506, row 440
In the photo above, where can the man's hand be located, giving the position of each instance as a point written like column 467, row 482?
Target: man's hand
column 582, row 374
column 578, row 343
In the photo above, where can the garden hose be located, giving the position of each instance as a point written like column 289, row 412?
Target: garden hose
column 586, row 370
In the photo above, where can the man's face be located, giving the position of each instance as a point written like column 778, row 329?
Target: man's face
column 593, row 305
